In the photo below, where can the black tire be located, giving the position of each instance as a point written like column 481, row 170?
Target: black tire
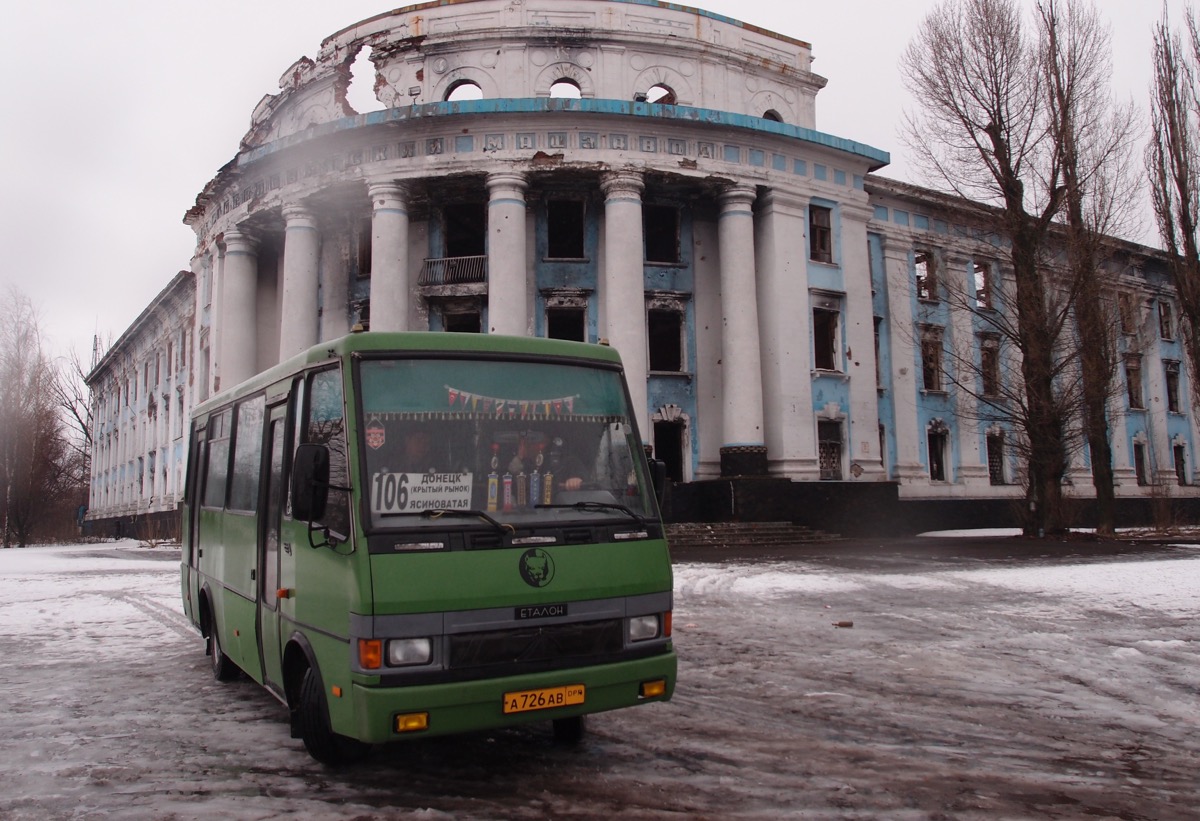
column 223, row 668
column 312, row 720
column 570, row 731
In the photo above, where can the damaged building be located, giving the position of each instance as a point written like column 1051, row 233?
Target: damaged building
column 650, row 175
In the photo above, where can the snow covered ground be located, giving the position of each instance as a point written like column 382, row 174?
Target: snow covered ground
column 1061, row 689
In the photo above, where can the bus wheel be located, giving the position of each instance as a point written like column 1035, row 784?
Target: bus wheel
column 569, row 731
column 312, row 719
column 223, row 668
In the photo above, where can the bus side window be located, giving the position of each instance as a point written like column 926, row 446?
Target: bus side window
column 216, row 468
column 297, row 414
column 326, row 425
column 247, row 454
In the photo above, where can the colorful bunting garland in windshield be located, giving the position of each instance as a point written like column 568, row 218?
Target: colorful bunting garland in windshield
column 512, row 408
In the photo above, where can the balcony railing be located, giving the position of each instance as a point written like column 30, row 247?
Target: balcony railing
column 453, row 271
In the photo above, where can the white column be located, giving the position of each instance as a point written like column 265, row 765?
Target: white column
column 389, row 257
column 785, row 319
column 1162, row 455
column 972, row 456
column 858, row 325
column 624, row 283
column 743, row 448
column 301, row 251
column 904, row 341
column 508, row 311
column 239, row 309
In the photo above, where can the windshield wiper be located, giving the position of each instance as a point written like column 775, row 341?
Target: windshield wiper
column 438, row 512
column 599, row 506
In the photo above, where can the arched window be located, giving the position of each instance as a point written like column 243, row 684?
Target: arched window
column 772, row 115
column 464, row 90
column 565, row 89
column 661, row 94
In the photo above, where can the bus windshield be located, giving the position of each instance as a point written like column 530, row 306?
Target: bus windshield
column 522, row 442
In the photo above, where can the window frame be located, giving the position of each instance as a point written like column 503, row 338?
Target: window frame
column 820, row 235
column 925, row 271
column 1166, row 321
column 1133, row 383
column 932, row 337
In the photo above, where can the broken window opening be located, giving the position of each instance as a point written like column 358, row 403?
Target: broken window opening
column 989, row 365
column 983, row 286
column 564, row 229
column 1133, row 382
column 664, row 332
column 661, row 94
column 825, row 339
column 464, row 90
column 465, row 229
column 360, row 93
column 931, row 358
column 1171, row 371
column 565, row 89
column 660, row 225
column 1180, row 454
column 820, row 234
column 926, row 272
column 567, row 323
column 1125, row 310
column 772, row 115
column 936, row 442
column 1139, row 464
column 466, row 322
column 1166, row 323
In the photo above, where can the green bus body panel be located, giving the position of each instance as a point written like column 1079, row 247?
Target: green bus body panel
column 478, row 705
column 467, row 580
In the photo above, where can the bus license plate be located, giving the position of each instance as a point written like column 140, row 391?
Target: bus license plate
column 546, row 698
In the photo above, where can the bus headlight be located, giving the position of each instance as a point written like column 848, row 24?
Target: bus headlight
column 405, row 652
column 642, row 628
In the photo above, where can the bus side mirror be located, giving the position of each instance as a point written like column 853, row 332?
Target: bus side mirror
column 310, row 482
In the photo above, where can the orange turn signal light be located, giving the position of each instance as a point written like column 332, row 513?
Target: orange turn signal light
column 653, row 689
column 412, row 722
column 667, row 624
column 370, row 654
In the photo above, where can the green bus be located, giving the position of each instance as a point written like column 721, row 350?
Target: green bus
column 407, row 535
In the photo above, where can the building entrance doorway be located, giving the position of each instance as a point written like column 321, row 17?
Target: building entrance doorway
column 668, row 446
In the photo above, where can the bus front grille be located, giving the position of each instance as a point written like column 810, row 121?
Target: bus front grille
column 534, row 644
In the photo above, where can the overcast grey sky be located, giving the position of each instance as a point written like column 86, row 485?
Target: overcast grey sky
column 116, row 114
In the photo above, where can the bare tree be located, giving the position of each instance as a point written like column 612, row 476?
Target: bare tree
column 74, row 402
column 34, row 474
column 1093, row 138
column 1173, row 163
column 981, row 130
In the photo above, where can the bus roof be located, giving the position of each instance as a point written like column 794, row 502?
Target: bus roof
column 421, row 342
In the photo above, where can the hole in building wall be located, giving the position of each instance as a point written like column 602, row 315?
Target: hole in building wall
column 773, row 115
column 565, row 89
column 660, row 94
column 464, row 90
column 361, row 93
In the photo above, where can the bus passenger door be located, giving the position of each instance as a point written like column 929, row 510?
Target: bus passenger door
column 269, row 549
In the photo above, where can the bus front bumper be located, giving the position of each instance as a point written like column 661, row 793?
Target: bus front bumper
column 467, row 706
